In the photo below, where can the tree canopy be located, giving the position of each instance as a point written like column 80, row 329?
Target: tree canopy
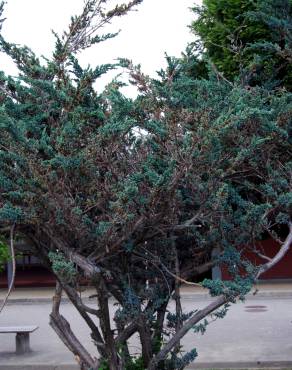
column 248, row 40
column 134, row 196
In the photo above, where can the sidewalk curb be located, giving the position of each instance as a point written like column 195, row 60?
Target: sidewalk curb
column 272, row 365
column 241, row 365
column 259, row 295
column 185, row 296
column 39, row 367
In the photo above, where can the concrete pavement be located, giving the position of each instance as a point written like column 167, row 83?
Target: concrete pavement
column 256, row 333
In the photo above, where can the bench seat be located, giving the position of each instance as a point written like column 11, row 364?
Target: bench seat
column 22, row 336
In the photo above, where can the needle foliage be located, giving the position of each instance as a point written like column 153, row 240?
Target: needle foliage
column 134, row 196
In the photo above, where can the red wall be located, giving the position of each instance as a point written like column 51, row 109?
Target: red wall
column 269, row 247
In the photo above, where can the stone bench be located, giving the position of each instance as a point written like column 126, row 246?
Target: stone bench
column 22, row 336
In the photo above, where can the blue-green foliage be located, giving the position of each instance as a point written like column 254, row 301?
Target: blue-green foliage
column 131, row 306
column 64, row 269
column 129, row 186
column 173, row 318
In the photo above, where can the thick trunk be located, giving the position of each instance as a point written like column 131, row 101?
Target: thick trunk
column 158, row 332
column 105, row 325
column 178, row 307
column 125, row 353
column 145, row 338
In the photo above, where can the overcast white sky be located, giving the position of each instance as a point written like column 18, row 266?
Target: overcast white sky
column 158, row 26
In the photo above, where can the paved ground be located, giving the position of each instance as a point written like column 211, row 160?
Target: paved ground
column 246, row 337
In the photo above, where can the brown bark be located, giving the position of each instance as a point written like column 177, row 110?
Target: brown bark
column 160, row 321
column 90, row 270
column 105, row 325
column 82, row 309
column 127, row 332
column 125, row 353
column 145, row 339
column 178, row 307
column 190, row 270
column 62, row 328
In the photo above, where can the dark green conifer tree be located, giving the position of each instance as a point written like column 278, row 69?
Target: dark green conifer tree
column 248, row 40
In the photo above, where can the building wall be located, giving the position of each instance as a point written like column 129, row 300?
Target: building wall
column 269, row 247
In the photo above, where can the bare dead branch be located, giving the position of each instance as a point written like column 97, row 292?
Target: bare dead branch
column 281, row 253
column 84, row 310
column 83, row 28
column 220, row 75
column 264, row 257
column 179, row 278
column 90, row 270
column 78, row 301
column 62, row 328
column 188, row 223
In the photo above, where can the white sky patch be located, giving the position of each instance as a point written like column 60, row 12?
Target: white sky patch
column 158, row 26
